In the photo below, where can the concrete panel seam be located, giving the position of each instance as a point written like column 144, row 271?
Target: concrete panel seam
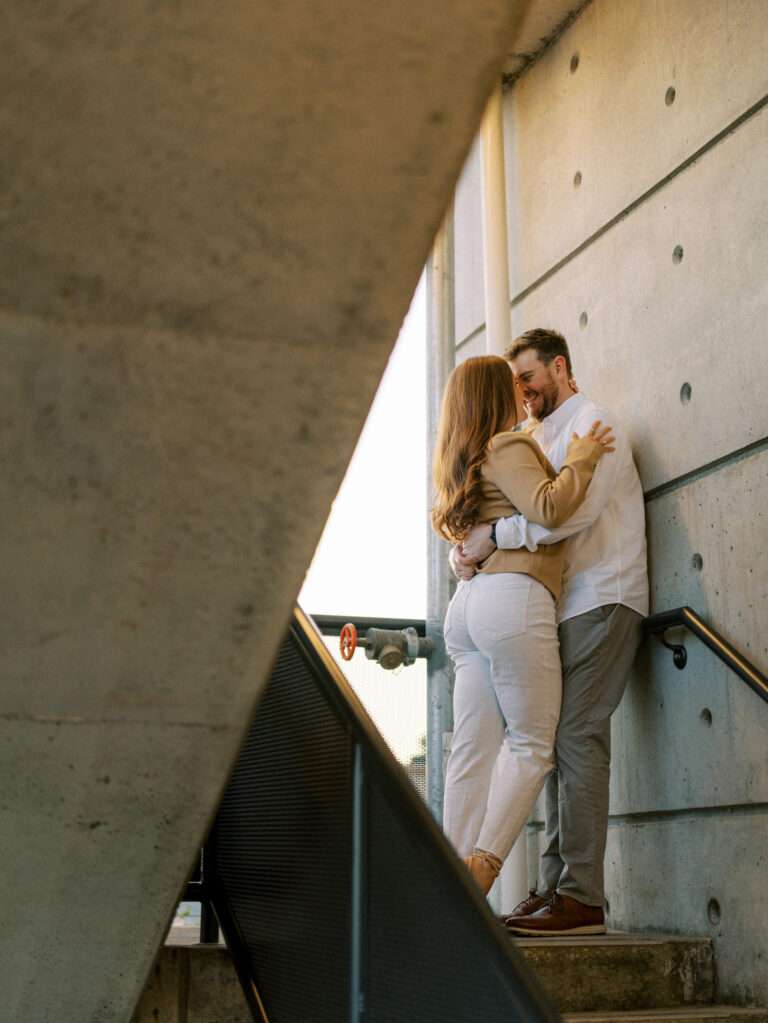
column 733, row 126
column 684, row 813
column 470, row 337
column 755, row 448
column 509, row 79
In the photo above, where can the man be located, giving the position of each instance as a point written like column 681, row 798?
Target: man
column 604, row 600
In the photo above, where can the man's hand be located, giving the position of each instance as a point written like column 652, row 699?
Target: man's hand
column 462, row 568
column 478, row 544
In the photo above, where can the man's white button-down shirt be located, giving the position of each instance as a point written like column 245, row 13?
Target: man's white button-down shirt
column 605, row 556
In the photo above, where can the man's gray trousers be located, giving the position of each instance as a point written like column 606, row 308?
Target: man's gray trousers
column 597, row 649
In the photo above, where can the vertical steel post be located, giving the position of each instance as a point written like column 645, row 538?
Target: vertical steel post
column 441, row 354
column 209, row 924
column 357, row 1006
column 513, row 882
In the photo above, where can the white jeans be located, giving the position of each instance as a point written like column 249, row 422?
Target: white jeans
column 501, row 634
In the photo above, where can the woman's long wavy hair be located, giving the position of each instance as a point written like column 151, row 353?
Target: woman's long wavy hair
column 479, row 402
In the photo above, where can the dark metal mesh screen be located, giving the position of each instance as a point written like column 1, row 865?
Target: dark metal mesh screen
column 429, row 957
column 282, row 859
column 283, row 852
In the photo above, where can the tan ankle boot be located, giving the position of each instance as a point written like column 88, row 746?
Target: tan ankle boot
column 484, row 868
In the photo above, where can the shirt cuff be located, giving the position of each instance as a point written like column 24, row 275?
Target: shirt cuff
column 513, row 533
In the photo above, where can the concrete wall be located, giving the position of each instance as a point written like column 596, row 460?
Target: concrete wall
column 652, row 261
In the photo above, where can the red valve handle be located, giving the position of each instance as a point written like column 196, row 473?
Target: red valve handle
column 348, row 641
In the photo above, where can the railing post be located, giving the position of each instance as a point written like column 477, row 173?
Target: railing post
column 357, row 1007
column 209, row 924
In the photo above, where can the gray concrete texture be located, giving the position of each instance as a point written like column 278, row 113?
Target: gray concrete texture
column 654, row 325
column 193, row 985
column 653, row 295
column 671, row 871
column 610, row 119
column 469, row 289
column 617, row 973
column 540, row 23
column 212, row 223
column 623, row 972
column 672, row 754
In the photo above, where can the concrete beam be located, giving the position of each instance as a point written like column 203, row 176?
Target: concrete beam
column 213, row 220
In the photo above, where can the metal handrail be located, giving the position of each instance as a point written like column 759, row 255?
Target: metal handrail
column 686, row 617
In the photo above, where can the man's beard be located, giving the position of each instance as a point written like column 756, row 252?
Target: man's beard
column 548, row 398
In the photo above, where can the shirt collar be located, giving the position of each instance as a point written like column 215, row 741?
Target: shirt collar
column 556, row 420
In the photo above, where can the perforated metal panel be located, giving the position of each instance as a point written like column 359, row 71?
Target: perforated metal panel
column 338, row 896
column 429, row 956
column 282, row 848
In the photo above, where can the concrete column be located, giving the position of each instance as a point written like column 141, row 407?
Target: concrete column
column 495, row 250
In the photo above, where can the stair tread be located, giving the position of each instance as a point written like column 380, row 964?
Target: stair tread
column 612, row 939
column 682, row 1013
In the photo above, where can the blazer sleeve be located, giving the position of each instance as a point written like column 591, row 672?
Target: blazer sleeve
column 518, row 468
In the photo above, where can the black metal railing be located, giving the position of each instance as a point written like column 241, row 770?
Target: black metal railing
column 338, row 895
column 686, row 617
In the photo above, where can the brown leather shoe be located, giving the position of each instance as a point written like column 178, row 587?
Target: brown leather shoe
column 532, row 902
column 562, row 916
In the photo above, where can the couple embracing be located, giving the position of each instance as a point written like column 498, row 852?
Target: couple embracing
column 549, row 531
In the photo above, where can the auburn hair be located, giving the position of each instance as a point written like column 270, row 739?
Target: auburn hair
column 478, row 402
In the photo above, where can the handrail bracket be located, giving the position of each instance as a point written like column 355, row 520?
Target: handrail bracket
column 679, row 653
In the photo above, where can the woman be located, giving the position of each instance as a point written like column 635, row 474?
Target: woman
column 500, row 628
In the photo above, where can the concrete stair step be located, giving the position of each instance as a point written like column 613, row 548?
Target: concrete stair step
column 610, row 979
column 623, row 972
column 691, row 1014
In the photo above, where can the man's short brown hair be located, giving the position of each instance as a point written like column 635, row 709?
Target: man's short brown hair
column 547, row 344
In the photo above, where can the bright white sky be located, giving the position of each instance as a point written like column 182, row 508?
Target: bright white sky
column 371, row 559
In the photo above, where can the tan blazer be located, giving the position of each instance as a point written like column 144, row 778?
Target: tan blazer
column 517, row 477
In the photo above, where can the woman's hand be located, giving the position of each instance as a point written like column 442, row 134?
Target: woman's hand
column 601, row 435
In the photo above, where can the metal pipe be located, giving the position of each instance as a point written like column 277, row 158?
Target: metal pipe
column 331, row 625
column 513, row 880
column 441, row 357
column 495, row 250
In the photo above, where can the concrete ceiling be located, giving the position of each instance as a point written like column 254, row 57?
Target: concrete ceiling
column 213, row 219
column 539, row 24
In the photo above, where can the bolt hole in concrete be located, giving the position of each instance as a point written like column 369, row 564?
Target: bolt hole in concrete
column 574, row 62
column 697, row 562
column 706, row 717
column 685, row 393
column 713, row 911
column 577, row 179
column 583, row 320
column 677, row 255
column 669, row 98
